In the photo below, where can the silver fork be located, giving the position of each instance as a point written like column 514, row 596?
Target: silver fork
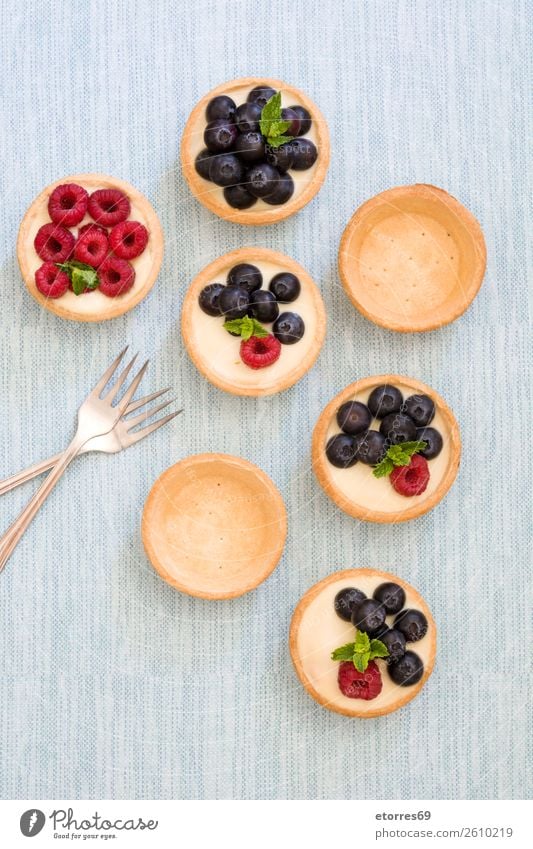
column 109, row 443
column 96, row 416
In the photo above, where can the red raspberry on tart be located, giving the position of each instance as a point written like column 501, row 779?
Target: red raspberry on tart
column 259, row 352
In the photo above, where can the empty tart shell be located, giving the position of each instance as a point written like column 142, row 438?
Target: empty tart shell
column 93, row 306
column 211, row 196
column 275, row 380
column 340, row 485
column 412, row 258
column 310, row 649
column 214, row 526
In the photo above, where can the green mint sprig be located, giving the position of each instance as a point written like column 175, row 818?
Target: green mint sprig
column 272, row 125
column 246, row 328
column 81, row 276
column 361, row 652
column 397, row 455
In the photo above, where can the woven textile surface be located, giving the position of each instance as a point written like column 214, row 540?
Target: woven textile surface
column 112, row 684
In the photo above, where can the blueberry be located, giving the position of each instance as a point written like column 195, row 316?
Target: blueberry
column 353, row 417
column 285, row 287
column 261, row 94
column 280, row 157
column 263, row 306
column 412, row 623
column 420, row 408
column 380, row 633
column 346, row 600
column 250, row 146
column 289, row 328
column 288, row 114
column 226, row 169
column 262, row 179
column 383, row 400
column 208, row 298
column 305, row 119
column 394, row 642
column 397, row 427
column 371, row 447
column 391, row 596
column 341, row 451
column 433, row 439
column 369, row 616
column 239, row 197
column 247, row 117
column 283, row 191
column 408, row 670
column 220, row 136
column 202, row 163
column 304, row 154
column 221, row 107
column 234, row 302
column 245, row 275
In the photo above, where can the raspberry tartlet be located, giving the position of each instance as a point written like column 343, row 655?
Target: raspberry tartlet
column 412, row 258
column 386, row 449
column 253, row 322
column 363, row 642
column 90, row 247
column 255, row 150
column 214, row 526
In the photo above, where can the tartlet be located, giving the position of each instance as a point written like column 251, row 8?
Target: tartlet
column 307, row 182
column 316, row 630
column 215, row 352
column 93, row 306
column 355, row 489
column 214, row 526
column 412, row 258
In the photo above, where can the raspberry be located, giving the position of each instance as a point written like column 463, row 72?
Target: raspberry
column 92, row 227
column 260, row 352
column 67, row 204
column 359, row 685
column 51, row 281
column 412, row 479
column 92, row 246
column 116, row 276
column 108, row 207
column 54, row 243
column 128, row 239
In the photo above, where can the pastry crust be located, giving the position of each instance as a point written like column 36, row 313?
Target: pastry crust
column 117, row 306
column 214, row 201
column 412, row 258
column 406, row 693
column 207, row 275
column 204, row 553
column 321, row 464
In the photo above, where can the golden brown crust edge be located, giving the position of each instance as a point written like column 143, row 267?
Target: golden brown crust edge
column 300, row 609
column 320, row 463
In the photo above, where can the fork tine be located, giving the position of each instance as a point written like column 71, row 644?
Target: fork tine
column 113, row 392
column 131, row 423
column 130, row 392
column 140, row 434
column 106, row 377
column 145, row 400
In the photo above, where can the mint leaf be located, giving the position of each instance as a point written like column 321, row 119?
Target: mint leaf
column 378, row 649
column 360, row 661
column 246, row 328
column 277, row 141
column 397, row 455
column 81, row 276
column 362, row 642
column 344, row 652
column 361, row 652
column 271, row 123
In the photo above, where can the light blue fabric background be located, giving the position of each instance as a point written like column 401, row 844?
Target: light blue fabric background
column 113, row 684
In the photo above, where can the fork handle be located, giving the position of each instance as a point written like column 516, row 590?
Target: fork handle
column 28, row 474
column 14, row 533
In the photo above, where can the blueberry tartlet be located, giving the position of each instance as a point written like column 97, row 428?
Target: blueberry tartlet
column 386, row 449
column 255, row 151
column 90, row 247
column 253, row 322
column 363, row 642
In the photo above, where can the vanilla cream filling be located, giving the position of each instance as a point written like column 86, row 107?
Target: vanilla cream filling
column 301, row 178
column 358, row 484
column 220, row 350
column 93, row 303
column 321, row 631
